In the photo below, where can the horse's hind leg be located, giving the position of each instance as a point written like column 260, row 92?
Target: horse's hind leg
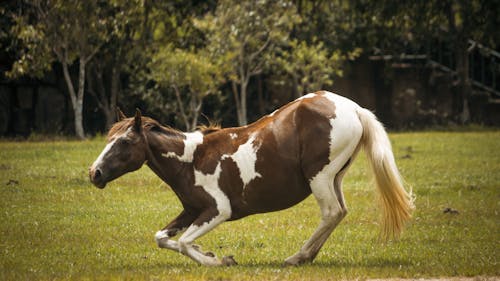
column 328, row 194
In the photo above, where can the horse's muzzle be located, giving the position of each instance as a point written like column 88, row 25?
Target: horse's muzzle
column 96, row 177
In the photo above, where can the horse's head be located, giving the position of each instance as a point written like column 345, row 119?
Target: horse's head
column 125, row 151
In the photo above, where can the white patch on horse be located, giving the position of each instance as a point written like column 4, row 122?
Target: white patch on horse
column 107, row 148
column 274, row 112
column 190, row 143
column 233, row 136
column 345, row 133
column 245, row 158
column 161, row 235
column 341, row 103
column 210, row 183
column 308, row 96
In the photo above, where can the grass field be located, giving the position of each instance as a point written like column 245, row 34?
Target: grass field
column 55, row 225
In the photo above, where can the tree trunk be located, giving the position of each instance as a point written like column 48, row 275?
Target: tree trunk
column 115, row 88
column 460, row 31
column 296, row 87
column 242, row 116
column 260, row 96
column 195, row 110
column 464, row 86
column 181, row 110
column 79, row 107
column 236, row 95
column 76, row 98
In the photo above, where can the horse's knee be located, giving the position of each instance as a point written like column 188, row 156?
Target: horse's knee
column 184, row 244
column 160, row 236
column 334, row 215
column 343, row 212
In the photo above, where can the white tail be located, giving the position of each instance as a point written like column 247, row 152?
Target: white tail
column 397, row 203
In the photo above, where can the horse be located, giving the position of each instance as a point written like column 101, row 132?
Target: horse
column 272, row 164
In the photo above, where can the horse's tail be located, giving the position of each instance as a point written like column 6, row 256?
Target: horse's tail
column 397, row 203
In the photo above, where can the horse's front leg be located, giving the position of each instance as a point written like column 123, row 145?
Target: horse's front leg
column 207, row 221
column 179, row 224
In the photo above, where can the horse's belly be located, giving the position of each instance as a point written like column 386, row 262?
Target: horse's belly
column 273, row 195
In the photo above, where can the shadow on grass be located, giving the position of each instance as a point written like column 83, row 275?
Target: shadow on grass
column 369, row 263
column 372, row 262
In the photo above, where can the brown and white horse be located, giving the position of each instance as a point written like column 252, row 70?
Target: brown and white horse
column 226, row 174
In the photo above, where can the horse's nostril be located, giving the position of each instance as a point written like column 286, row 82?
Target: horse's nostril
column 97, row 174
column 97, row 178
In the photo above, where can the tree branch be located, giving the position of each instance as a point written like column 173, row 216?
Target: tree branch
column 90, row 89
column 252, row 56
column 181, row 107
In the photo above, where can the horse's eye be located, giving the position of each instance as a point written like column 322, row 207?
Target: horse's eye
column 124, row 141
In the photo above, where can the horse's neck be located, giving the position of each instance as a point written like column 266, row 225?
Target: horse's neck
column 167, row 168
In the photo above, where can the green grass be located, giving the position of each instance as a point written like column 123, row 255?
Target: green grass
column 55, row 225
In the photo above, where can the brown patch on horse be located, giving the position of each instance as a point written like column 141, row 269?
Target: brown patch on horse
column 233, row 187
column 321, row 105
column 275, row 159
column 320, row 93
column 263, row 194
column 317, row 111
column 216, row 144
column 169, row 139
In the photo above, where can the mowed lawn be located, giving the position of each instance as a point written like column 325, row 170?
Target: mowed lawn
column 55, row 225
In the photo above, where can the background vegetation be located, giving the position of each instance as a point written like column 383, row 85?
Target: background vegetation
column 54, row 225
column 181, row 58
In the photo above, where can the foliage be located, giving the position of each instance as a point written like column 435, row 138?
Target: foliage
column 311, row 67
column 60, row 31
column 193, row 74
column 119, row 55
column 56, row 226
column 107, row 48
column 243, row 37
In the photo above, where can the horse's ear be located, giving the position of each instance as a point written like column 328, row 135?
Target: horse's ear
column 119, row 115
column 138, row 120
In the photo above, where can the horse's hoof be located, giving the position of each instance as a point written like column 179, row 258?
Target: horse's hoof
column 288, row 264
column 229, row 261
column 294, row 261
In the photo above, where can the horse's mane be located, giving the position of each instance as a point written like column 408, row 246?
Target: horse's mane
column 119, row 127
column 151, row 124
column 211, row 128
column 147, row 123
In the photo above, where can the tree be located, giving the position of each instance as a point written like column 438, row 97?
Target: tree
column 120, row 54
column 191, row 76
column 60, row 31
column 311, row 67
column 455, row 22
column 418, row 24
column 392, row 27
column 244, row 36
